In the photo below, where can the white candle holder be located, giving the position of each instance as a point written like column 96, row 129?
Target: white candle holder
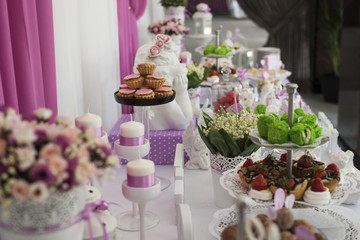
column 132, row 152
column 104, row 137
column 141, row 196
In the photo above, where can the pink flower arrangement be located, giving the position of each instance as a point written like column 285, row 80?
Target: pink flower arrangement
column 38, row 157
column 169, row 27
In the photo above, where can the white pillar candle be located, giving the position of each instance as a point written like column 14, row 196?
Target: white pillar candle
column 91, row 121
column 140, row 173
column 132, row 129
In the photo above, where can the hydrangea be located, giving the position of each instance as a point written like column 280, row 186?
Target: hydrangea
column 236, row 125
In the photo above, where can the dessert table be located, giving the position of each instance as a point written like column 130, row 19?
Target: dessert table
column 198, row 195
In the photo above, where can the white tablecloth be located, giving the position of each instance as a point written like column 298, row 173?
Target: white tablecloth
column 198, row 194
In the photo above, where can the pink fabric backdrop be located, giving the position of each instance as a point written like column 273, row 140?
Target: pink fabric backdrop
column 129, row 11
column 27, row 59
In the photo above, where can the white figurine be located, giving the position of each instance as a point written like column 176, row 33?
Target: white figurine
column 195, row 148
column 178, row 113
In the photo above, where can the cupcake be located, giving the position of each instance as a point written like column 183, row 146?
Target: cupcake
column 134, row 81
column 144, row 94
column 155, row 81
column 146, row 68
column 126, row 93
column 123, row 86
column 163, row 92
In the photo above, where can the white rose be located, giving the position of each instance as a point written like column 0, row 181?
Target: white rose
column 43, row 113
column 24, row 135
column 26, row 157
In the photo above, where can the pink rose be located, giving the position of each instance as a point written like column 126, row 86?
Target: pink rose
column 57, row 164
column 49, row 150
column 159, row 43
column 162, row 37
column 154, row 51
column 20, row 190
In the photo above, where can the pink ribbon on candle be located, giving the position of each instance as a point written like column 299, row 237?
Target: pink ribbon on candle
column 125, row 141
column 141, row 181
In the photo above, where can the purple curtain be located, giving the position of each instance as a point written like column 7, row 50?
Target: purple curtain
column 128, row 12
column 27, row 59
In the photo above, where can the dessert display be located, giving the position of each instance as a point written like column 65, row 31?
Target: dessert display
column 270, row 174
column 140, row 173
column 144, row 86
column 276, row 130
column 132, row 134
column 317, row 194
column 92, row 121
column 278, row 224
column 221, row 50
column 257, row 74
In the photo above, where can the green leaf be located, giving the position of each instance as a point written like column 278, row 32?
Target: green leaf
column 217, row 140
column 234, row 148
column 206, row 73
column 250, row 149
column 206, row 141
column 241, row 143
column 193, row 80
column 207, row 119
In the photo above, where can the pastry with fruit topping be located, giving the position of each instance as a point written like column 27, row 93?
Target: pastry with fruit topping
column 305, row 165
column 294, row 186
column 332, row 177
column 259, row 189
column 317, row 194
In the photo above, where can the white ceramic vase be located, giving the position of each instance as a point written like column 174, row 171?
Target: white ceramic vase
column 175, row 12
column 58, row 208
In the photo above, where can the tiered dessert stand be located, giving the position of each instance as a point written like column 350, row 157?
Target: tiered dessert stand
column 130, row 220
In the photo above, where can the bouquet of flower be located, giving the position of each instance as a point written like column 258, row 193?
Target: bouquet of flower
column 227, row 133
column 168, row 27
column 196, row 75
column 38, row 158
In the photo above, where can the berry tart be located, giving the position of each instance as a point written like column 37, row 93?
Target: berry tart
column 250, row 170
column 134, row 81
column 305, row 165
column 294, row 186
column 259, row 189
column 317, row 194
column 330, row 176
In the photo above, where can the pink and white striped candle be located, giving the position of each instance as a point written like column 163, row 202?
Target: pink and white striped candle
column 140, row 173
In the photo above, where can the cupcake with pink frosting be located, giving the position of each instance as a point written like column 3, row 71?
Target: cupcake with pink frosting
column 147, row 68
column 163, row 92
column 144, row 94
column 154, row 81
column 134, row 81
column 126, row 93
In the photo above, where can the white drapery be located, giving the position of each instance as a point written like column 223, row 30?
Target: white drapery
column 87, row 58
column 154, row 12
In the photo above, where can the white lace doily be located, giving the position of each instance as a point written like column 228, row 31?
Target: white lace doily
column 59, row 207
column 335, row 222
column 222, row 164
column 255, row 137
column 231, row 182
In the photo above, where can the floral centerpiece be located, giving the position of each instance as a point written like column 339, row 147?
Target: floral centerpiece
column 40, row 162
column 228, row 133
column 171, row 26
column 196, row 74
